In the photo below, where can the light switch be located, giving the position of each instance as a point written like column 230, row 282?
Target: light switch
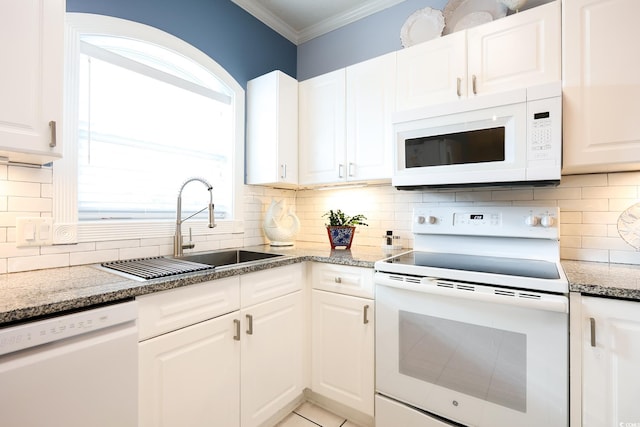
column 33, row 231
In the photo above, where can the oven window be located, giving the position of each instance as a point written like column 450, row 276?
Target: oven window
column 479, row 361
column 478, row 146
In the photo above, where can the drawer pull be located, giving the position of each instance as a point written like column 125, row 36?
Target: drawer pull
column 365, row 312
column 592, row 325
column 250, row 325
column 52, row 131
column 338, row 279
column 236, row 324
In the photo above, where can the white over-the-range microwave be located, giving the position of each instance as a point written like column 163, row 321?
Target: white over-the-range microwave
column 508, row 138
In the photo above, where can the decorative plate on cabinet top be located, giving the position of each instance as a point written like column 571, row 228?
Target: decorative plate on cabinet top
column 629, row 225
column 462, row 14
column 422, row 25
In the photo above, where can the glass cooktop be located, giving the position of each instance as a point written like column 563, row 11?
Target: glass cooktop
column 532, row 268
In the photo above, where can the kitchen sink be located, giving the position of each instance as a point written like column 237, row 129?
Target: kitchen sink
column 230, row 257
column 155, row 267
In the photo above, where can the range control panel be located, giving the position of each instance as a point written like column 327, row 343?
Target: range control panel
column 500, row 221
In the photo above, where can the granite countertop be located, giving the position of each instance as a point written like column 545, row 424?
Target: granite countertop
column 603, row 279
column 38, row 293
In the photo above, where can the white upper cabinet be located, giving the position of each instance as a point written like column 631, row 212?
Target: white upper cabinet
column 272, row 130
column 517, row 51
column 31, row 80
column 371, row 97
column 601, row 94
column 345, row 123
column 321, row 128
column 433, row 72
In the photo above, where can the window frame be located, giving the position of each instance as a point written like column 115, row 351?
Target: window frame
column 67, row 229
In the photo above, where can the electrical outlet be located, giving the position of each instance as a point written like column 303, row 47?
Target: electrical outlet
column 34, row 231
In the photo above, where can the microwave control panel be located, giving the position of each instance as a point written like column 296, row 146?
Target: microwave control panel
column 544, row 132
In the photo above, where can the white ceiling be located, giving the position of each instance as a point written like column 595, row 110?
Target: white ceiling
column 302, row 20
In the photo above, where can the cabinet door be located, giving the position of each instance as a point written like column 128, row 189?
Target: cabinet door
column 342, row 349
column 610, row 362
column 601, row 95
column 272, row 373
column 272, row 130
column 191, row 377
column 322, row 129
column 520, row 50
column 370, row 91
column 432, row 72
column 32, row 47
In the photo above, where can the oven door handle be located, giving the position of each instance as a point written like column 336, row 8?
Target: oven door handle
column 470, row 291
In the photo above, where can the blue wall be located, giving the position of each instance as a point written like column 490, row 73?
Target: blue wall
column 240, row 43
column 367, row 38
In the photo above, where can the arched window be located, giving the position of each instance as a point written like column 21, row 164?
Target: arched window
column 146, row 111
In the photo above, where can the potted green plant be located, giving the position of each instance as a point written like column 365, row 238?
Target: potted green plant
column 342, row 227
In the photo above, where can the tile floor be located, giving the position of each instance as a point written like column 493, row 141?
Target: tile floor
column 310, row 415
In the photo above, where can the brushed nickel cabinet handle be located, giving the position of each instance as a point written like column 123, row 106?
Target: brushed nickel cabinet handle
column 338, row 279
column 592, row 324
column 53, row 133
column 236, row 324
column 365, row 318
column 284, row 171
column 250, row 325
column 351, row 169
column 340, row 170
column 474, row 84
column 459, row 87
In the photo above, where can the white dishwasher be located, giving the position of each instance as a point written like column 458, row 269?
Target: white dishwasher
column 79, row 369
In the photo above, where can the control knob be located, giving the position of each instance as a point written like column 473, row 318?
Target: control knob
column 547, row 221
column 420, row 219
column 532, row 220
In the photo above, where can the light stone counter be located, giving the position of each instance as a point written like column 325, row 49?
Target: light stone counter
column 33, row 294
column 603, row 279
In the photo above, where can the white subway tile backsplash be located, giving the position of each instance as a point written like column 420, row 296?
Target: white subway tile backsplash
column 624, row 178
column 38, row 262
column 93, row 257
column 129, row 253
column 590, row 180
column 610, row 192
column 590, row 206
column 29, row 174
column 29, row 204
column 584, row 205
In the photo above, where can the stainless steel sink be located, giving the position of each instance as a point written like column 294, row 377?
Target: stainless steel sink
column 153, row 268
column 230, row 257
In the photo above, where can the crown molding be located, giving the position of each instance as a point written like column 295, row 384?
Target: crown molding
column 298, row 37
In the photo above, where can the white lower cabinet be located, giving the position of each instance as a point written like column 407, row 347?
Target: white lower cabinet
column 215, row 355
column 191, row 377
column 271, row 369
column 342, row 339
column 610, row 353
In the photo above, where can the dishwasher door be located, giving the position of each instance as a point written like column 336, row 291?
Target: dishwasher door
column 77, row 370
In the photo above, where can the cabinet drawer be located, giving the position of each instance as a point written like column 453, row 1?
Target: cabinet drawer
column 356, row 281
column 264, row 285
column 167, row 311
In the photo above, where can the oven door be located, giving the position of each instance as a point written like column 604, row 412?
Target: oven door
column 476, row 355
